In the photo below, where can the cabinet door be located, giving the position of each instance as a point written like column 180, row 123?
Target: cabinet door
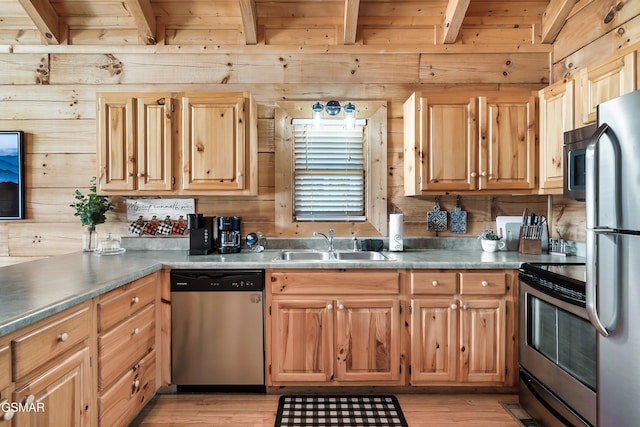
column 59, row 396
column 434, row 340
column 603, row 82
column 556, row 117
column 507, row 142
column 154, row 121
column 116, row 142
column 213, row 142
column 482, row 340
column 440, row 137
column 367, row 340
column 302, row 340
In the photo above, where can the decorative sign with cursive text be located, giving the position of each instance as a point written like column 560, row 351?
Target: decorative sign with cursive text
column 160, row 208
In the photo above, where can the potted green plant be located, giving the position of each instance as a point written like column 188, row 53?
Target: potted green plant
column 490, row 241
column 92, row 210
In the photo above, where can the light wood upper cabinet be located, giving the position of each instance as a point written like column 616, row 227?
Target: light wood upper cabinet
column 334, row 327
column 604, row 81
column 219, row 143
column 461, row 142
column 135, row 142
column 441, row 142
column 214, row 135
column 507, row 142
column 556, row 117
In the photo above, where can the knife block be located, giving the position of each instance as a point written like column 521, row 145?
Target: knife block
column 528, row 245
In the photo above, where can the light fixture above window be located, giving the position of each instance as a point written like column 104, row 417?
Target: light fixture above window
column 333, row 108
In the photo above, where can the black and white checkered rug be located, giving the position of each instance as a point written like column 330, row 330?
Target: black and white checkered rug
column 339, row 411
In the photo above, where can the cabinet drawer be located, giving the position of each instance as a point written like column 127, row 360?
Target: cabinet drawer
column 121, row 402
column 490, row 282
column 433, row 282
column 46, row 342
column 335, row 282
column 121, row 348
column 5, row 367
column 126, row 300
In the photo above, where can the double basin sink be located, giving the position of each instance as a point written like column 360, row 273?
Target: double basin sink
column 309, row 255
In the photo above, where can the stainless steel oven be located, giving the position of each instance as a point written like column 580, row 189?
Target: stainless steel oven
column 557, row 346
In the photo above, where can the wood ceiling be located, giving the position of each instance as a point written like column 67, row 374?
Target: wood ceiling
column 381, row 24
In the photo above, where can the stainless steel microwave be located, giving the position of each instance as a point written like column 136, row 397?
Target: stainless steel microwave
column 573, row 158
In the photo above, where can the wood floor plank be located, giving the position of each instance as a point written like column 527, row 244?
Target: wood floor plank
column 249, row 410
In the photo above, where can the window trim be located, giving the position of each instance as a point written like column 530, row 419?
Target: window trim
column 375, row 112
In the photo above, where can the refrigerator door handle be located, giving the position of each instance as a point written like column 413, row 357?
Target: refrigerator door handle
column 592, row 179
column 591, row 290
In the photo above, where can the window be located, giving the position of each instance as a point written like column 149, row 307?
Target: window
column 329, row 173
column 356, row 198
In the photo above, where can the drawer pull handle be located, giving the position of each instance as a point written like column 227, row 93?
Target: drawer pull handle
column 136, row 331
column 329, row 306
column 63, row 337
column 454, row 307
column 434, row 283
column 484, row 283
column 135, row 300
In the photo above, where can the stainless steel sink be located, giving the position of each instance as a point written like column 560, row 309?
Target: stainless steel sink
column 364, row 255
column 305, row 255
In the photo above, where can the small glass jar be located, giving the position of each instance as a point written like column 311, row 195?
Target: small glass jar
column 89, row 238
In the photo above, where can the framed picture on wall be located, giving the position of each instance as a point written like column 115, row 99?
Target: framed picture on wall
column 11, row 174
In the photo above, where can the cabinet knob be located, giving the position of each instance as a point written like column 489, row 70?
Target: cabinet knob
column 29, row 399
column 8, row 414
column 135, row 386
column 340, row 306
column 483, row 173
column 465, row 307
column 135, row 300
column 454, row 306
column 484, row 283
column 473, row 174
column 63, row 337
column 434, row 283
column 329, row 306
column 136, row 331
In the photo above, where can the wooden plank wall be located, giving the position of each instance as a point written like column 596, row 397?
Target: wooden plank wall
column 50, row 94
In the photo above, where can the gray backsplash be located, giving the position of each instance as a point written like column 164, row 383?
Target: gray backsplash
column 318, row 243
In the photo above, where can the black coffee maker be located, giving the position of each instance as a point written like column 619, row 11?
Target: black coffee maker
column 202, row 239
column 229, row 237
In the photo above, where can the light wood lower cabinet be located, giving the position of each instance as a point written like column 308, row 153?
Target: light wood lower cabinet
column 51, row 371
column 333, row 327
column 462, row 327
column 126, row 350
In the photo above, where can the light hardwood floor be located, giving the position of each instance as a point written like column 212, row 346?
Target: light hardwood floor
column 420, row 410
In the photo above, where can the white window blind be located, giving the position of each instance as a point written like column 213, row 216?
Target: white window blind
column 329, row 173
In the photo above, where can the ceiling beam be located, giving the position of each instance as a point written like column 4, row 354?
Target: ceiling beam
column 249, row 21
column 554, row 17
column 45, row 19
column 145, row 19
column 351, row 11
column 453, row 17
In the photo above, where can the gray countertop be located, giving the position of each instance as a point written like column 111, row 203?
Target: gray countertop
column 37, row 289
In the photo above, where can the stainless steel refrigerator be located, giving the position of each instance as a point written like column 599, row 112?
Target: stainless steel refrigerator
column 613, row 257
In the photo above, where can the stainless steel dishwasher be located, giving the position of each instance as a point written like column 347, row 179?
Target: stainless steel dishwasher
column 217, row 330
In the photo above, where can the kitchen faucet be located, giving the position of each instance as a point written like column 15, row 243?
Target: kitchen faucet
column 329, row 239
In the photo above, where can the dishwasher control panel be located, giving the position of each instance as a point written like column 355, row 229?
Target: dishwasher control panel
column 217, row 280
